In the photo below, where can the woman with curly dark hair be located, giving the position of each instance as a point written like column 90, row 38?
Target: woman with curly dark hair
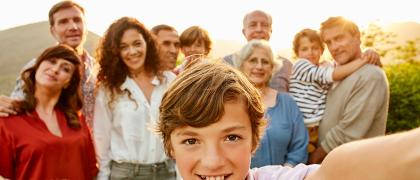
column 49, row 128
column 130, row 89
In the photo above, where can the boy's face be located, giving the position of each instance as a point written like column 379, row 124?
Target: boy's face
column 219, row 151
column 311, row 51
column 198, row 47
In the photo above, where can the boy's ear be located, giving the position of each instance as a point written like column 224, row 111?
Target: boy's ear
column 168, row 145
column 171, row 153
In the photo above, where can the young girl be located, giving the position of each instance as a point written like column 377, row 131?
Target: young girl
column 310, row 80
column 212, row 119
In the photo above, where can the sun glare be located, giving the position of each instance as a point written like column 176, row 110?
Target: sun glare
column 224, row 22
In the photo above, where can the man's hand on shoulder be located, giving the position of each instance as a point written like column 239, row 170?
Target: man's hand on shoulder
column 6, row 106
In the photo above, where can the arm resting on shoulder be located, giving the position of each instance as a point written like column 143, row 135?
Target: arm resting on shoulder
column 368, row 98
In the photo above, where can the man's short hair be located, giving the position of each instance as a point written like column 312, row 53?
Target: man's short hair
column 155, row 30
column 62, row 5
column 342, row 22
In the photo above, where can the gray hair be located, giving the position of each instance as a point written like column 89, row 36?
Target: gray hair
column 245, row 20
column 249, row 48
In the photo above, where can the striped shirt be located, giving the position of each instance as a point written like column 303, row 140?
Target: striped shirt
column 309, row 86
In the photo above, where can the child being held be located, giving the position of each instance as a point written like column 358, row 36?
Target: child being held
column 310, row 80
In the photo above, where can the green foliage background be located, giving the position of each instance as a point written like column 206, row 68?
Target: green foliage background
column 404, row 106
column 403, row 72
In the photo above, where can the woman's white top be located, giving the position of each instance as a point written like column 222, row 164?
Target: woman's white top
column 125, row 130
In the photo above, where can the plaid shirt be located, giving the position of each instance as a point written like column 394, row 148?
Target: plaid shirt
column 88, row 86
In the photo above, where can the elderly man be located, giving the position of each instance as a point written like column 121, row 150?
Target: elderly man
column 257, row 25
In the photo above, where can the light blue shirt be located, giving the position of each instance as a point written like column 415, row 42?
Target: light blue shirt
column 286, row 138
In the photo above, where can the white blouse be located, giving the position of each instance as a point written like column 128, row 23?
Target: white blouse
column 126, row 131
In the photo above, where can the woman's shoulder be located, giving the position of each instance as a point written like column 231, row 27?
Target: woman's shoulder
column 288, row 102
column 285, row 97
column 13, row 118
column 12, row 121
column 284, row 101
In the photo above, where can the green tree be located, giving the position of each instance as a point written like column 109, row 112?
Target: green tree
column 404, row 105
column 410, row 51
column 375, row 37
column 403, row 76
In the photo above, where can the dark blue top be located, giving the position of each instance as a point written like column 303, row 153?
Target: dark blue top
column 286, row 137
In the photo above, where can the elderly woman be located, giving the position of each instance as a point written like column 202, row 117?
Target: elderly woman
column 286, row 138
column 48, row 139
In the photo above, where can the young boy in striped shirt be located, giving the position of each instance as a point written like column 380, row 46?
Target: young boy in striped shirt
column 310, row 80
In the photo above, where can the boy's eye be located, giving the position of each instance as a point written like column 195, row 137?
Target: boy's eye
column 304, row 49
column 190, row 141
column 198, row 44
column 233, row 138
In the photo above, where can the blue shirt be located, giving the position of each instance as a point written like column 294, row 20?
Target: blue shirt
column 286, row 138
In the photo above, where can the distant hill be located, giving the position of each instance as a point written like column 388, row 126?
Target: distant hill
column 20, row 44
column 404, row 31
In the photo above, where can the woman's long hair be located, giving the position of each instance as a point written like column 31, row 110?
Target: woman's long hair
column 113, row 71
column 70, row 100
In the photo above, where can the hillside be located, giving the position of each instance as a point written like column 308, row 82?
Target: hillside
column 404, row 31
column 20, row 44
